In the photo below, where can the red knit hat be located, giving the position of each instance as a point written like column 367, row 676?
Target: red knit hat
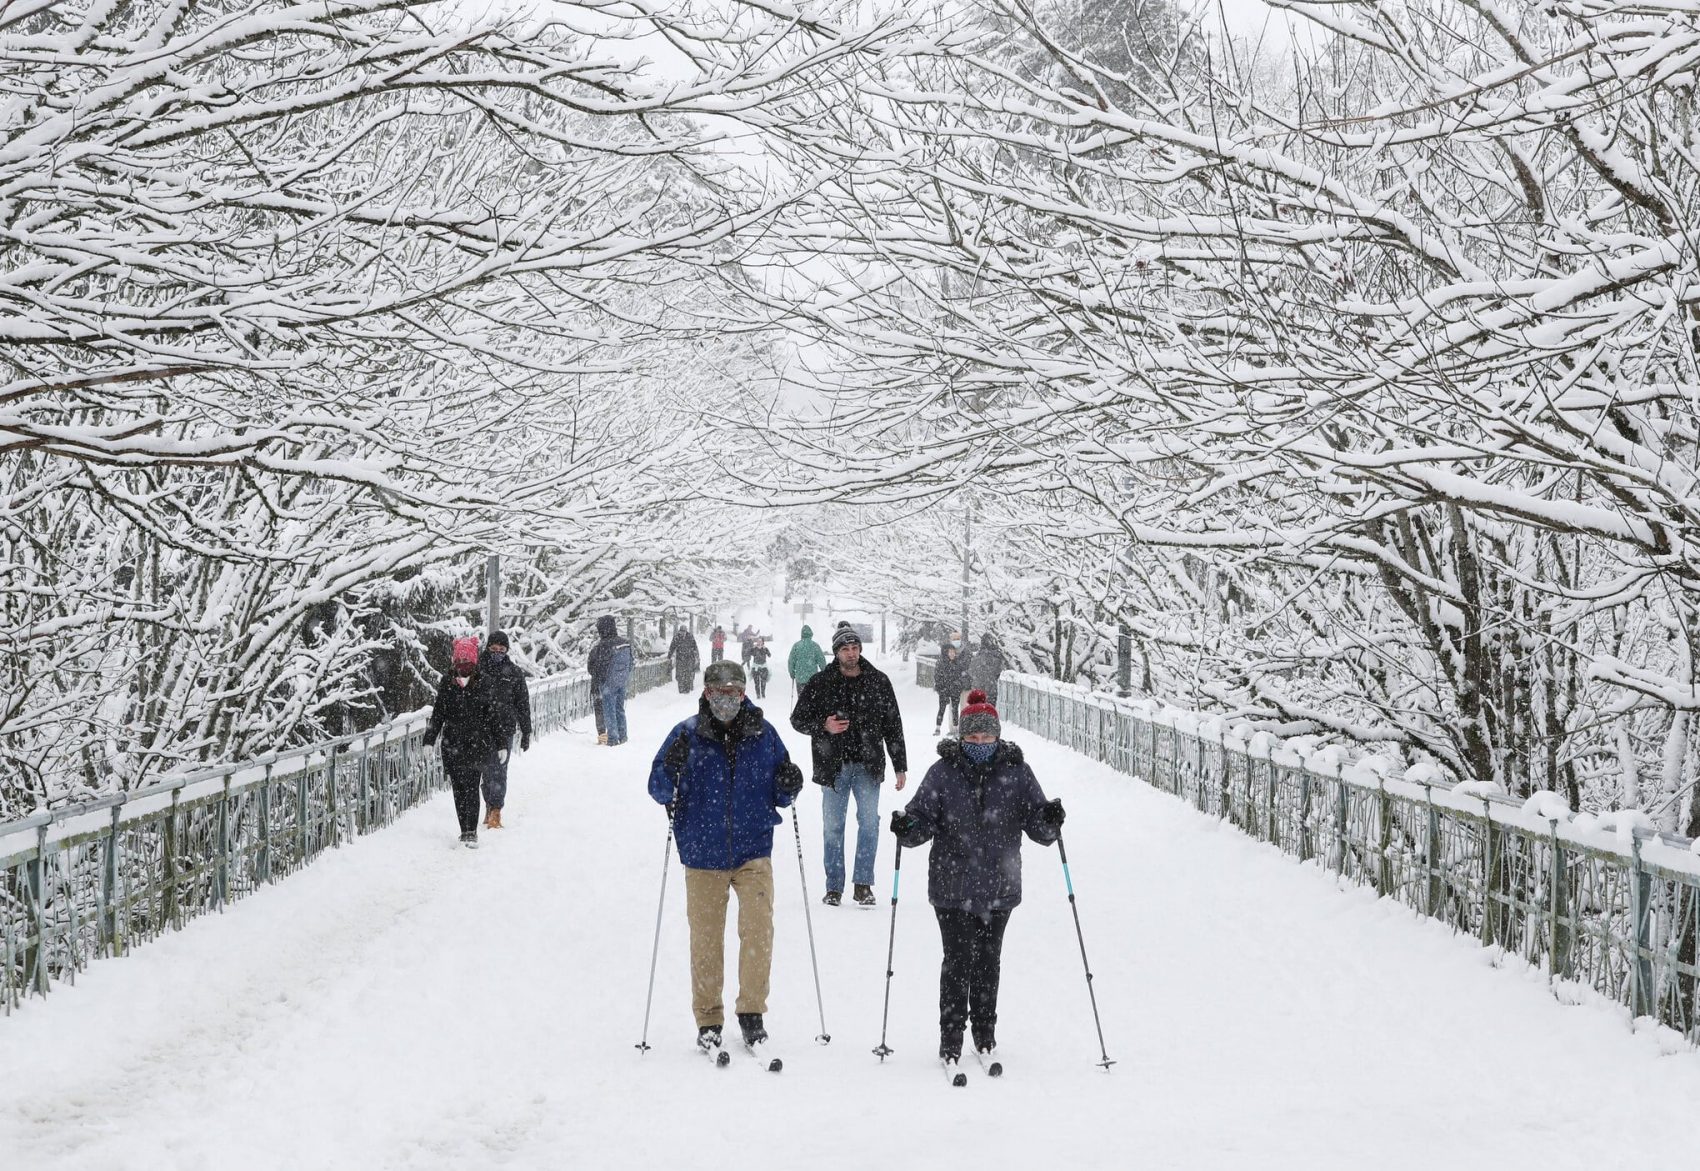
column 465, row 651
column 978, row 715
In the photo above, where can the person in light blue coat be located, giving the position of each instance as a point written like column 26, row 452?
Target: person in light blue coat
column 723, row 775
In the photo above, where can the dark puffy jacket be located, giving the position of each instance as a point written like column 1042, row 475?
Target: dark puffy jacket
column 465, row 720
column 610, row 661
column 876, row 724
column 975, row 815
column 509, row 696
column 724, row 785
column 984, row 667
column 948, row 676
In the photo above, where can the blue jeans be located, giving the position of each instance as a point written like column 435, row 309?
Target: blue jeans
column 614, row 713
column 496, row 778
column 835, row 808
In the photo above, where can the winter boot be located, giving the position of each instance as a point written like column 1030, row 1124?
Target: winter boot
column 984, row 1040
column 469, row 839
column 602, row 737
column 832, row 898
column 950, row 1047
column 708, row 1038
column 495, row 820
column 489, row 814
column 935, row 729
column 749, row 1023
column 864, row 895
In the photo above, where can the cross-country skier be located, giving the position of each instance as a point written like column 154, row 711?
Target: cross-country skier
column 850, row 712
column 465, row 720
column 974, row 805
column 724, row 774
column 510, row 703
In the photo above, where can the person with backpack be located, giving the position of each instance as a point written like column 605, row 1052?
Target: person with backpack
column 686, row 658
column 723, row 775
column 984, row 667
column 759, row 670
column 465, row 720
column 805, row 661
column 610, row 665
column 850, row 714
column 947, row 683
column 510, row 701
column 974, row 805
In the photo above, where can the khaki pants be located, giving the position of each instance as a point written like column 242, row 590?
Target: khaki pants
column 705, row 907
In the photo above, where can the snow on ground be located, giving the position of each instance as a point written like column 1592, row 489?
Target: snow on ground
column 405, row 1003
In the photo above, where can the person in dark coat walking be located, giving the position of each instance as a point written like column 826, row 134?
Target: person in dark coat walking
column 849, row 711
column 984, row 667
column 723, row 775
column 974, row 805
column 687, row 659
column 610, row 666
column 510, row 702
column 759, row 670
column 465, row 720
column 948, row 683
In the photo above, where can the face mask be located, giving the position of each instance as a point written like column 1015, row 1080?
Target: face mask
column 724, row 707
column 495, row 654
column 979, row 753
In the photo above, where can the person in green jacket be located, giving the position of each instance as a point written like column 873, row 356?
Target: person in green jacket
column 806, row 660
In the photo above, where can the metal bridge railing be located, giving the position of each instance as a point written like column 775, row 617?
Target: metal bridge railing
column 1618, row 912
column 99, row 878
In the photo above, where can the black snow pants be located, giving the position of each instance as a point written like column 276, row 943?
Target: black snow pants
column 465, row 782
column 968, row 980
column 947, row 703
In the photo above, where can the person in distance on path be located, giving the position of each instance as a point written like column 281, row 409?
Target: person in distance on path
column 974, row 805
column 686, row 658
column 948, row 683
column 510, row 703
column 759, row 671
column 717, row 644
column 723, row 775
column 465, row 720
column 983, row 669
column 610, row 667
column 850, row 713
column 805, row 661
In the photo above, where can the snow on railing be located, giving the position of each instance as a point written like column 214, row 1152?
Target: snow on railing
column 97, row 879
column 1604, row 902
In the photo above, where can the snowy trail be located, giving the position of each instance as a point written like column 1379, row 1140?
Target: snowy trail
column 404, row 1003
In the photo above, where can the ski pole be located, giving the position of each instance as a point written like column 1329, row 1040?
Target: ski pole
column 655, row 952
column 884, row 1050
column 1068, row 879
column 809, row 919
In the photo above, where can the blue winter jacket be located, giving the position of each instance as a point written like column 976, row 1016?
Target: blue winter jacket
column 724, row 785
column 975, row 815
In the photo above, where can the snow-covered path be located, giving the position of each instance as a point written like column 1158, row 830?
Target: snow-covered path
column 406, row 1003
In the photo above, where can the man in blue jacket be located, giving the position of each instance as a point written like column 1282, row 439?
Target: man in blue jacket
column 610, row 668
column 724, row 774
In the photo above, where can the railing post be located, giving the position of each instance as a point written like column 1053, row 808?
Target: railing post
column 224, row 845
column 1384, row 838
column 1270, row 832
column 111, row 921
column 1307, row 847
column 1490, row 864
column 1341, row 816
column 1640, row 961
column 334, row 836
column 35, row 956
column 363, row 820
column 1431, row 851
column 302, row 824
column 168, row 877
column 1558, row 902
column 265, row 859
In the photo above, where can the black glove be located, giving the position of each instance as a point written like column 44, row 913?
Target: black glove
column 790, row 779
column 901, row 822
column 1051, row 813
column 525, row 742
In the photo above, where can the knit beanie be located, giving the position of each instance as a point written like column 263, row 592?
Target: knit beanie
column 844, row 636
column 979, row 716
column 498, row 638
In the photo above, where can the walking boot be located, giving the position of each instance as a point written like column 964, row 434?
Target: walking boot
column 832, row 898
column 864, row 895
column 602, row 737
column 750, row 1024
column 495, row 821
column 489, row 815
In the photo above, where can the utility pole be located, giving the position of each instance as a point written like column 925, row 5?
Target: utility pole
column 967, row 558
column 493, row 593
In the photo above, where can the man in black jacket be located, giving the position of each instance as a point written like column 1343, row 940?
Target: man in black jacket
column 850, row 713
column 510, row 709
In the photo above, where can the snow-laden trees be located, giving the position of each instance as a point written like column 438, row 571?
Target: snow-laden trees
column 304, row 307
column 1394, row 360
